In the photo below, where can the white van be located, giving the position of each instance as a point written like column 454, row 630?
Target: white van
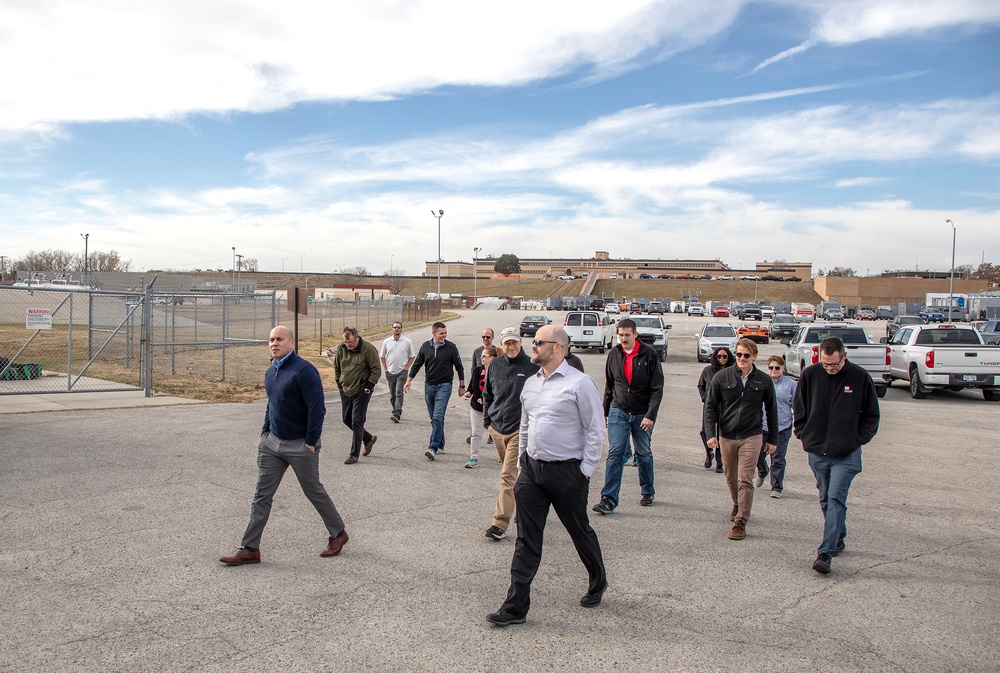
column 590, row 329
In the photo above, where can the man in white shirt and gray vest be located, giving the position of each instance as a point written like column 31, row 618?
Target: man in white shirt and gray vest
column 560, row 443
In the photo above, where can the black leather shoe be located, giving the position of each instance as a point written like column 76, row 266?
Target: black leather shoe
column 504, row 618
column 822, row 564
column 646, row 500
column 708, row 463
column 840, row 547
column 592, row 600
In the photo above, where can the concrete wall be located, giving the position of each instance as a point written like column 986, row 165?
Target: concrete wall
column 880, row 291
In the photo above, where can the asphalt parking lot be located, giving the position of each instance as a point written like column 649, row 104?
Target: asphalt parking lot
column 113, row 520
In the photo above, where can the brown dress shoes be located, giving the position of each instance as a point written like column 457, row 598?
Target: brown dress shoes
column 241, row 557
column 336, row 544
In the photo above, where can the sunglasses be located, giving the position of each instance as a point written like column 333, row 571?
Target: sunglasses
column 538, row 342
column 721, row 357
column 740, row 356
column 487, row 337
column 774, row 368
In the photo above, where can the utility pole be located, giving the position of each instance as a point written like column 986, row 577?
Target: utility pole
column 3, row 267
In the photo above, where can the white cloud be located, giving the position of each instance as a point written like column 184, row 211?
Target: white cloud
column 858, row 182
column 98, row 60
column 849, row 21
column 797, row 49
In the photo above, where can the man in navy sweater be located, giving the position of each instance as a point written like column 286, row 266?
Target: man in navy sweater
column 440, row 358
column 293, row 423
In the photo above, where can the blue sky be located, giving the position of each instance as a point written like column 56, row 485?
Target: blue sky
column 323, row 134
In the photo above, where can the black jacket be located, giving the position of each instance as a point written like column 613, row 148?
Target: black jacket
column 733, row 411
column 643, row 396
column 476, row 400
column 502, row 396
column 835, row 415
column 438, row 363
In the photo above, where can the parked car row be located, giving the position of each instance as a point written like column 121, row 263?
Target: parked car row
column 706, row 276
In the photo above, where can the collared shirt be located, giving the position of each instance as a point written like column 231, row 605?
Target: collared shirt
column 396, row 353
column 562, row 418
column 784, row 392
column 277, row 363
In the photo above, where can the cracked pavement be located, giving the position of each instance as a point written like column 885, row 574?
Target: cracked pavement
column 113, row 520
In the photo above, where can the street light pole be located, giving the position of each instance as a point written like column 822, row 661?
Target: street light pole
column 300, row 261
column 239, row 268
column 475, row 276
column 283, row 264
column 86, row 254
column 234, row 267
column 438, row 215
column 951, row 283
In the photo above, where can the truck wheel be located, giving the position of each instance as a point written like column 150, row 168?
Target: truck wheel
column 991, row 395
column 917, row 390
column 766, row 341
column 663, row 355
column 880, row 390
column 600, row 349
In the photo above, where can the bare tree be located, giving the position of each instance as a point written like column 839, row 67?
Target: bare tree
column 250, row 264
column 396, row 279
column 49, row 260
column 106, row 261
column 355, row 274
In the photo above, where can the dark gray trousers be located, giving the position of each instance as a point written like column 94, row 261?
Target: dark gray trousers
column 274, row 455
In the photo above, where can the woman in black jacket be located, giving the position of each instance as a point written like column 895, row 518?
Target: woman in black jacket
column 475, row 392
column 721, row 358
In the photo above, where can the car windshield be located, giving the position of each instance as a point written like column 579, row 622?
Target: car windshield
column 947, row 336
column 533, row 318
column 719, row 331
column 647, row 322
column 848, row 336
column 783, row 317
column 911, row 320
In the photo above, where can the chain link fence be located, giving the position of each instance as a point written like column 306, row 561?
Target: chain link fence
column 86, row 340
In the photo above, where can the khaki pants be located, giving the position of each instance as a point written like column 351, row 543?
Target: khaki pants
column 507, row 452
column 739, row 460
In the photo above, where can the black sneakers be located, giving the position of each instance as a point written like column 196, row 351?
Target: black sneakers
column 822, row 564
column 497, row 533
column 504, row 618
column 605, row 506
column 646, row 500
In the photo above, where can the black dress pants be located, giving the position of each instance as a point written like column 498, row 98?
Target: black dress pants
column 355, row 412
column 565, row 488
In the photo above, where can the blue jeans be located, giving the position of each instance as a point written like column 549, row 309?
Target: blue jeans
column 436, row 395
column 777, row 460
column 622, row 426
column 833, row 479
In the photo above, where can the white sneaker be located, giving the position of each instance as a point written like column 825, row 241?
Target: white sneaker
column 775, row 494
column 759, row 481
column 472, row 463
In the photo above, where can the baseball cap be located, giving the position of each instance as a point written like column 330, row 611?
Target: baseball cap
column 509, row 334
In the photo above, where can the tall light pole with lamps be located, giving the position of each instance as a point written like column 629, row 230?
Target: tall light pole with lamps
column 951, row 283
column 475, row 276
column 300, row 261
column 439, row 214
column 239, row 268
column 283, row 264
column 234, row 266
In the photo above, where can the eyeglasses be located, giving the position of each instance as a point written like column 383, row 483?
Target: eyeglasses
column 834, row 365
column 397, row 327
column 775, row 368
column 538, row 342
column 486, row 336
column 721, row 357
column 740, row 356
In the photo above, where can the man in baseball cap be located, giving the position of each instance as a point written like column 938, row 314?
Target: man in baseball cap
column 502, row 417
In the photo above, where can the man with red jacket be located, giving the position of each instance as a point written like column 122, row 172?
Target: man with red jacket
column 632, row 392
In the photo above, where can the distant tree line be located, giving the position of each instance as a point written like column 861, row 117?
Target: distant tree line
column 63, row 261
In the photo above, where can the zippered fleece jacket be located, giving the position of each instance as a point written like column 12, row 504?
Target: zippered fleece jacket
column 295, row 402
column 732, row 410
column 834, row 415
column 356, row 369
column 438, row 363
column 644, row 394
column 502, row 396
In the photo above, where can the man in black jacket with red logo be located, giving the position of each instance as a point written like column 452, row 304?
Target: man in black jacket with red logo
column 632, row 392
column 835, row 413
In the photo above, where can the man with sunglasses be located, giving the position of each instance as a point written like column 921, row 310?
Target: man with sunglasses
column 836, row 413
column 502, row 417
column 784, row 393
column 396, row 356
column 560, row 439
column 477, row 360
column 633, row 389
column 733, row 421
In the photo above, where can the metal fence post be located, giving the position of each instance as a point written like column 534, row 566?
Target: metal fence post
column 69, row 351
column 225, row 324
column 147, row 337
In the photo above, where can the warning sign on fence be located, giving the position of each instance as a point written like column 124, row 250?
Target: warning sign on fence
column 38, row 318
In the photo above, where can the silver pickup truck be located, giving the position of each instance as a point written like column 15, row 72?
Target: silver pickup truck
column 803, row 350
column 932, row 357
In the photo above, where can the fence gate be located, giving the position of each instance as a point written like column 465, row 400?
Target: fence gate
column 60, row 341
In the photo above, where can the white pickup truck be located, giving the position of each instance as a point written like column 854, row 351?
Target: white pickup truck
column 932, row 357
column 803, row 350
